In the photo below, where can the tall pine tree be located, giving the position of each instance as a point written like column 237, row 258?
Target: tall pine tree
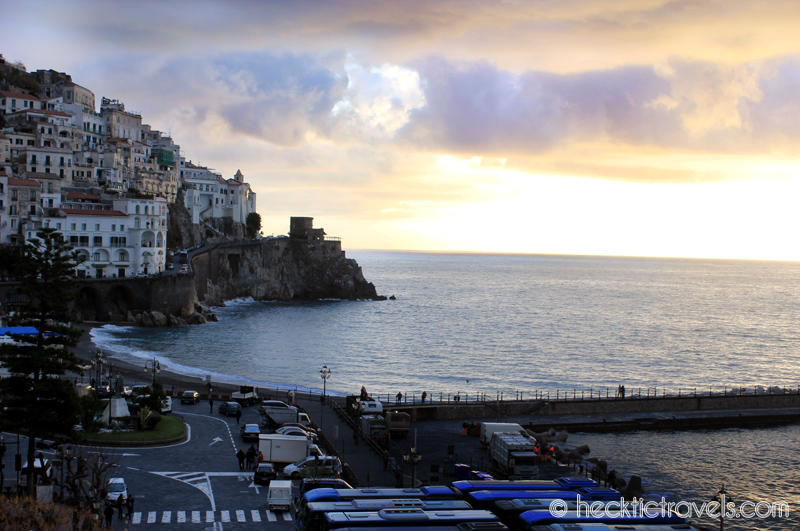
column 35, row 399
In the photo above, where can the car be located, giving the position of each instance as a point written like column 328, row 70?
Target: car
column 319, row 466
column 184, row 269
column 170, row 266
column 265, row 472
column 116, row 486
column 103, row 391
column 300, row 426
column 298, row 432
column 229, row 409
column 271, row 403
column 250, row 432
column 190, row 397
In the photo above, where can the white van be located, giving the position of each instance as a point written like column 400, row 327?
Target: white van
column 279, row 495
column 324, row 466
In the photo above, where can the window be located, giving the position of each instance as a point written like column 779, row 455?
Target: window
column 119, row 241
column 71, row 226
column 96, row 226
column 33, row 195
column 73, row 241
column 83, row 240
column 98, row 241
column 58, row 226
column 83, row 226
column 113, row 228
column 32, row 210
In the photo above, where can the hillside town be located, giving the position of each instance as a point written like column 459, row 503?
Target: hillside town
column 104, row 179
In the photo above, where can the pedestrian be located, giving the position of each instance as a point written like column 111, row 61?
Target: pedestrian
column 464, row 428
column 120, row 505
column 109, row 514
column 398, row 397
column 622, row 391
column 129, row 504
column 424, row 396
column 238, row 415
column 251, row 457
column 210, row 405
column 240, row 457
column 260, row 457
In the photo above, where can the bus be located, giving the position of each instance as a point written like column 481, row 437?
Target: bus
column 467, row 526
column 509, row 510
column 407, row 518
column 485, row 499
column 335, row 495
column 310, row 518
column 532, row 520
column 468, row 485
column 597, row 526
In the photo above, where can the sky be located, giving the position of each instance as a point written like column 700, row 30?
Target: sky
column 615, row 127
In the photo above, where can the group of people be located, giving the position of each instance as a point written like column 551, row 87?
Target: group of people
column 467, row 428
column 621, row 391
column 120, row 503
column 247, row 461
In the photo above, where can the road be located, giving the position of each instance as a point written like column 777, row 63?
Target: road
column 191, row 485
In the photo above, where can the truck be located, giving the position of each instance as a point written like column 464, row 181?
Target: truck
column 375, row 427
column 285, row 449
column 515, row 455
column 398, row 424
column 275, row 417
column 488, row 428
column 246, row 396
column 356, row 407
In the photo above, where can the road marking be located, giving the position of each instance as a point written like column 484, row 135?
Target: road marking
column 181, row 517
column 255, row 515
column 240, row 516
column 151, row 517
column 215, row 441
column 137, row 518
column 195, row 517
column 287, row 516
column 166, row 517
column 271, row 516
column 225, row 516
column 209, row 516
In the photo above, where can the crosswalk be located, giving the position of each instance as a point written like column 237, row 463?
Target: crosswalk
column 200, row 517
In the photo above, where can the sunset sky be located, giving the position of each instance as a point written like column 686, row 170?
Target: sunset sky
column 616, row 127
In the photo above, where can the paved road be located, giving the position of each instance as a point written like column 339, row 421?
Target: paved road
column 193, row 485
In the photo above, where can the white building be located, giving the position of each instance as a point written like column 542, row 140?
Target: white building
column 208, row 195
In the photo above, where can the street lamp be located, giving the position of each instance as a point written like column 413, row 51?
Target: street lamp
column 97, row 364
column 325, row 373
column 412, row 458
column 722, row 498
column 155, row 366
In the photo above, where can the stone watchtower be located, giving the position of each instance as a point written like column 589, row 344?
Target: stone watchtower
column 303, row 229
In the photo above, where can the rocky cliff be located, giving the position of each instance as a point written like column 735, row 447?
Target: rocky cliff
column 279, row 269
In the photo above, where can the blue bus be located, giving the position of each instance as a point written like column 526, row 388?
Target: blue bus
column 596, row 526
column 334, row 495
column 509, row 510
column 532, row 520
column 485, row 499
column 311, row 517
column 467, row 485
column 405, row 518
column 467, row 526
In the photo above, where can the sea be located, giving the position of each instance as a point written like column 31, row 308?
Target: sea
column 492, row 325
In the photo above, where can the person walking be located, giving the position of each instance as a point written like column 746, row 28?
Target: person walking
column 210, row 405
column 424, row 396
column 129, row 505
column 120, row 505
column 251, row 457
column 240, row 457
column 238, row 415
column 108, row 512
column 398, row 397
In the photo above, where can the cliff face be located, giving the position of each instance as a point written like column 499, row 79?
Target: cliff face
column 279, row 269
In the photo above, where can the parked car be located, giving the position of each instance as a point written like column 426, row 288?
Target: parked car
column 265, row 472
column 229, row 409
column 324, row 466
column 140, row 390
column 116, row 486
column 300, row 426
column 190, row 397
column 250, row 432
column 103, row 391
column 291, row 430
column 271, row 403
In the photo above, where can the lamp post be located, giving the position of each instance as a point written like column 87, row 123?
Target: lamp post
column 155, row 366
column 722, row 498
column 412, row 458
column 97, row 364
column 324, row 373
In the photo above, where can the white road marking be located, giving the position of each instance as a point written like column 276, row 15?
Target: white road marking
column 196, row 517
column 225, row 516
column 181, row 517
column 209, row 516
column 255, row 515
column 137, row 518
column 151, row 517
column 271, row 516
column 240, row 516
column 166, row 517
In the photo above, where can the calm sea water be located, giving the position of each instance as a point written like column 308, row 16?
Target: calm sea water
column 506, row 323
